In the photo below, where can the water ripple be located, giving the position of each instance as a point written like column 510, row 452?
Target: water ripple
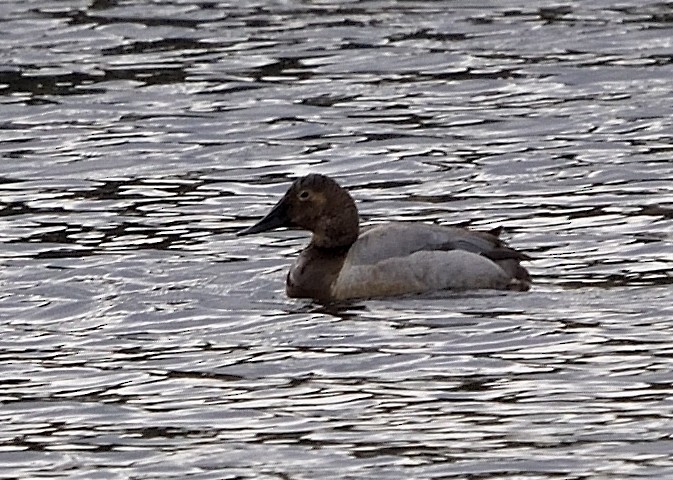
column 139, row 337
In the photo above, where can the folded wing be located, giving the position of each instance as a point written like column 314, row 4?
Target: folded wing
column 398, row 258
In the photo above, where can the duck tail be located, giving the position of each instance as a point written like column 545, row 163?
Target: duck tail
column 520, row 278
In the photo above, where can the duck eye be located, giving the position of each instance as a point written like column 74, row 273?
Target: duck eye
column 304, row 194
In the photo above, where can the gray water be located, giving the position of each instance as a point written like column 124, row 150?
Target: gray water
column 141, row 339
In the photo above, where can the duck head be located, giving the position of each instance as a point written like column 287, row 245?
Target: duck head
column 318, row 204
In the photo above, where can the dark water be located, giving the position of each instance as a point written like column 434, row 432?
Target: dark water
column 140, row 339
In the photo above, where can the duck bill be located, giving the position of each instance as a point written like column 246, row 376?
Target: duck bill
column 276, row 218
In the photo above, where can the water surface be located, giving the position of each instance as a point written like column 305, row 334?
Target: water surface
column 140, row 338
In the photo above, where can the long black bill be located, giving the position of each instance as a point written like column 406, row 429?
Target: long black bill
column 276, row 218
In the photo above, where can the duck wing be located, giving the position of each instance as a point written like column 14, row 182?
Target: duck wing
column 419, row 272
column 402, row 239
column 398, row 258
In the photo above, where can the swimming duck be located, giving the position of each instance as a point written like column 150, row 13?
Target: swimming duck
column 390, row 259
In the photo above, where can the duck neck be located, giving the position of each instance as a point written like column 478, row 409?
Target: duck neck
column 330, row 242
column 338, row 231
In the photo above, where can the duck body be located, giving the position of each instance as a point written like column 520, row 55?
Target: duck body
column 385, row 260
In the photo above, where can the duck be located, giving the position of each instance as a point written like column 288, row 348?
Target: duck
column 343, row 261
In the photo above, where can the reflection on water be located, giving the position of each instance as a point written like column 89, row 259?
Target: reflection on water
column 139, row 337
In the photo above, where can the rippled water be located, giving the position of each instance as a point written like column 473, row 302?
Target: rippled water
column 139, row 338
